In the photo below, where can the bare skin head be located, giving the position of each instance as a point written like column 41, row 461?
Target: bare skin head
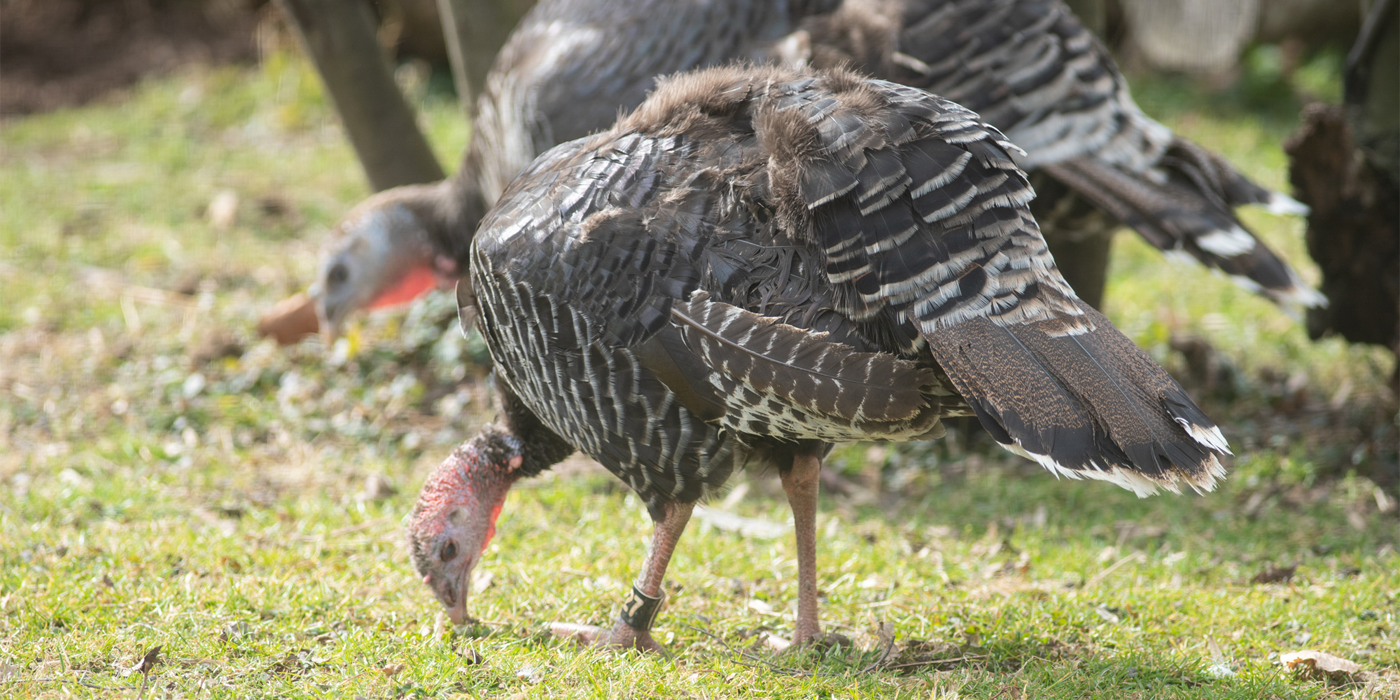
column 455, row 516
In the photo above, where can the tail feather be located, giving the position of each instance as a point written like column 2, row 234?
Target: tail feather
column 1086, row 405
column 1191, row 214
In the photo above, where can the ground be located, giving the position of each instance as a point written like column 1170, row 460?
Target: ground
column 172, row 481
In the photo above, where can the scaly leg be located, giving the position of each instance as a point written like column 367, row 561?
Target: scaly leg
column 801, row 485
column 639, row 610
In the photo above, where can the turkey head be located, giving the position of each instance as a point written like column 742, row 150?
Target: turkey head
column 385, row 255
column 455, row 516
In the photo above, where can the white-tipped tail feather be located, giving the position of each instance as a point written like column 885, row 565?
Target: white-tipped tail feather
column 1283, row 205
column 1227, row 243
column 1139, row 483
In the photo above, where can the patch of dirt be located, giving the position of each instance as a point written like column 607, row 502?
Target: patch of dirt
column 66, row 53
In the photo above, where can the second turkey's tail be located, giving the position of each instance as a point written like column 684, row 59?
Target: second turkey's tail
column 1082, row 403
column 1185, row 205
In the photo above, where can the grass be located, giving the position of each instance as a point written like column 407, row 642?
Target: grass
column 171, row 480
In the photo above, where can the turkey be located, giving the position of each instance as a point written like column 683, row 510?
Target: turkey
column 1031, row 69
column 1028, row 66
column 758, row 263
column 568, row 70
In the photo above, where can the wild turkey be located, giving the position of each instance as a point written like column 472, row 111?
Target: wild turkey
column 757, row 263
column 1031, row 69
column 568, row 70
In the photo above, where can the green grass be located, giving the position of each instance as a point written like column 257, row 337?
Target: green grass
column 170, row 480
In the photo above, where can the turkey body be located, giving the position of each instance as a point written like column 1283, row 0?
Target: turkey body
column 759, row 262
column 1033, row 70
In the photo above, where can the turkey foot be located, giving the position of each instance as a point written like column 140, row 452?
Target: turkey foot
column 621, row 636
column 633, row 628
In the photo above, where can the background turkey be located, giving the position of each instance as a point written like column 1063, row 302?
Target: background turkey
column 758, row 263
column 566, row 71
column 1029, row 65
column 1032, row 69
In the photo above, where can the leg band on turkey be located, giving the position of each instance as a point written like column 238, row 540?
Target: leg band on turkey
column 761, row 262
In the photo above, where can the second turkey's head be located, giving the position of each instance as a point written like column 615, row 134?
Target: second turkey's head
column 387, row 253
column 455, row 516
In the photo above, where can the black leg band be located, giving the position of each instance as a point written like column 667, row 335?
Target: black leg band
column 639, row 610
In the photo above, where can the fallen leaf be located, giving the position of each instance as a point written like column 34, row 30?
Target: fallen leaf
column 1220, row 669
column 926, row 653
column 1319, row 664
column 1275, row 575
column 377, row 488
column 298, row 661
column 472, row 657
column 148, row 661
column 481, row 580
column 223, row 209
column 760, row 606
column 885, row 633
column 1107, row 615
column 533, row 674
column 756, row 528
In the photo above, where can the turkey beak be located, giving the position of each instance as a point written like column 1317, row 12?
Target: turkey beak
column 458, row 611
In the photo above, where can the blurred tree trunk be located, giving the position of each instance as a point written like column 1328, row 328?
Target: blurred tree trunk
column 1343, row 164
column 1092, row 13
column 474, row 31
column 340, row 38
column 1082, row 254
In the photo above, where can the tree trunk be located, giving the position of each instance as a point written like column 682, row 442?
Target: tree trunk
column 340, row 38
column 474, row 31
column 1092, row 13
column 1079, row 237
column 1343, row 164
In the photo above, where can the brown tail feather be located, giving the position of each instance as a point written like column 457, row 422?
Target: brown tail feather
column 1090, row 404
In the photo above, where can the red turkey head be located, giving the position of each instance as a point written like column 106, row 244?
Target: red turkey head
column 455, row 516
column 384, row 255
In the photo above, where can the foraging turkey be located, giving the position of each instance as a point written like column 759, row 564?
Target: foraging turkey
column 568, row 70
column 760, row 262
column 1033, row 70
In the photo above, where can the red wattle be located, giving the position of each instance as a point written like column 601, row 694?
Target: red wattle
column 416, row 283
column 491, row 531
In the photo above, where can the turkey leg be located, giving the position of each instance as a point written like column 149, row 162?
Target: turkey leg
column 641, row 609
column 801, row 484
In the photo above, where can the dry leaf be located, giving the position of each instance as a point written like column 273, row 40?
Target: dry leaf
column 481, row 580
column 1320, row 665
column 378, row 487
column 1275, row 575
column 148, row 661
column 533, row 674
column 755, row 528
column 223, row 209
column 472, row 657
